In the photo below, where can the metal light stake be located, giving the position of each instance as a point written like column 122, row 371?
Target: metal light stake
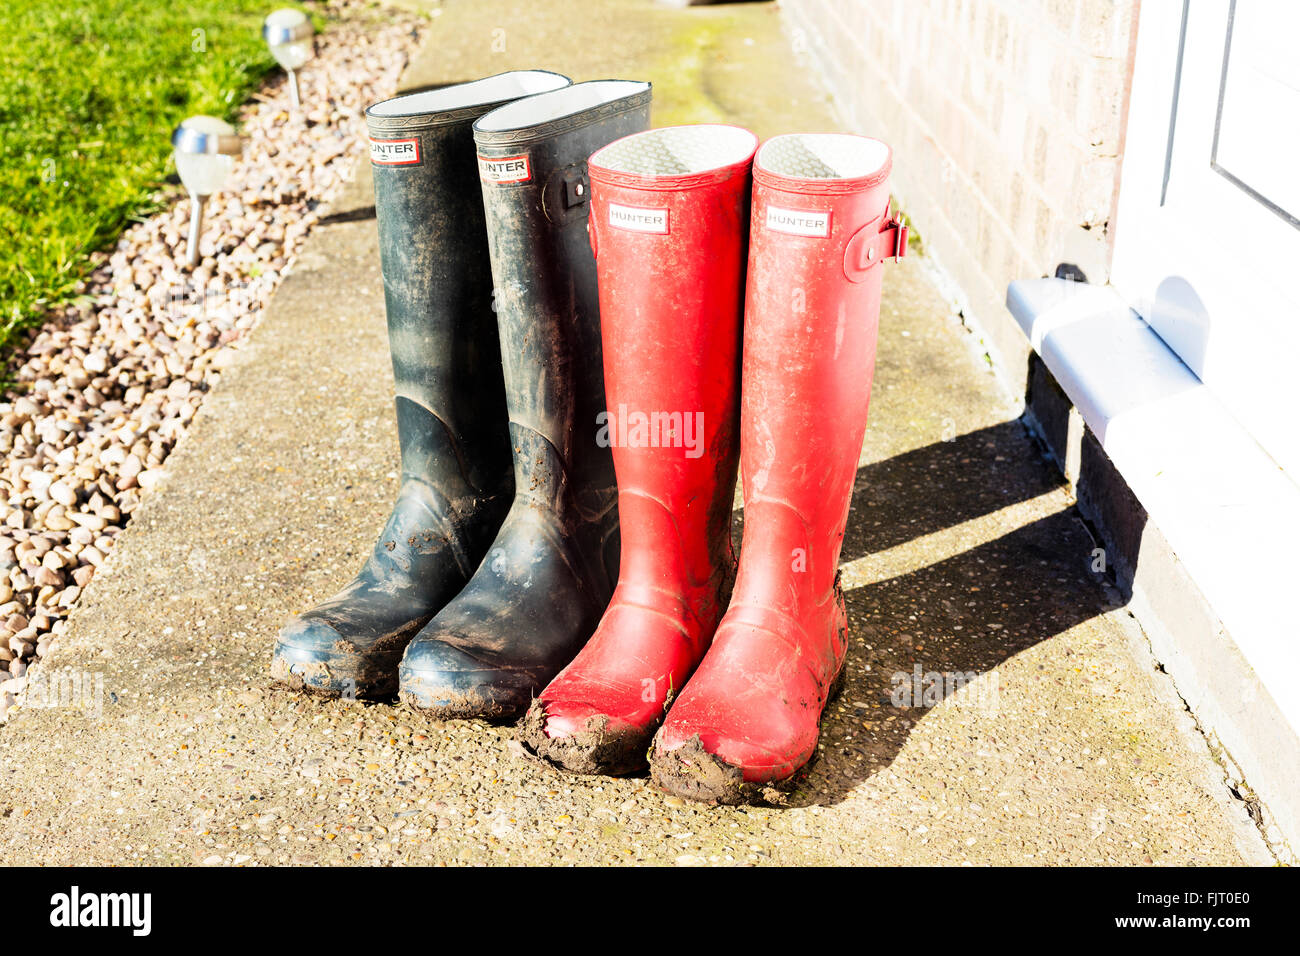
column 206, row 148
column 290, row 36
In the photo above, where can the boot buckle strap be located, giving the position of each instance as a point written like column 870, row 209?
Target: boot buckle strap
column 881, row 239
column 566, row 193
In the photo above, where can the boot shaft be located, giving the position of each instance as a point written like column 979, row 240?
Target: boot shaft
column 820, row 230
column 437, row 274
column 669, row 223
column 532, row 167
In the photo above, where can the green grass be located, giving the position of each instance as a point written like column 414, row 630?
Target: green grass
column 89, row 94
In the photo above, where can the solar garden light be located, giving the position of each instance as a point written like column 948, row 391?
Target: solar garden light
column 206, row 148
column 289, row 34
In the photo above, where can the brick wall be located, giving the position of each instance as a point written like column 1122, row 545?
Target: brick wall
column 1006, row 118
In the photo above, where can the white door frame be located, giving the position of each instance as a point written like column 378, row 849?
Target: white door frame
column 1212, row 268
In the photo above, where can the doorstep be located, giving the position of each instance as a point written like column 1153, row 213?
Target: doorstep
column 1203, row 521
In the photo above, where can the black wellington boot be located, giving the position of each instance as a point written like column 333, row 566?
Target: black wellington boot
column 549, row 574
column 451, row 414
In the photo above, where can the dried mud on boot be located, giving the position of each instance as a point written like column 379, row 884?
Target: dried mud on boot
column 691, row 772
column 371, row 675
column 314, row 679
column 461, row 705
column 593, row 750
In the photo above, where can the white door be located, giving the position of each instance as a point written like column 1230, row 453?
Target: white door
column 1207, row 234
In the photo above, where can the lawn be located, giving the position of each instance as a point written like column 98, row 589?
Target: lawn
column 89, row 94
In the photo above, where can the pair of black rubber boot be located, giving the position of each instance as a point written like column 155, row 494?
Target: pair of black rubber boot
column 501, row 551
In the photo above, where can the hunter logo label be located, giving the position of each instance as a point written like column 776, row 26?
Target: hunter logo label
column 638, row 219
column 505, row 169
column 395, row 152
column 799, row 222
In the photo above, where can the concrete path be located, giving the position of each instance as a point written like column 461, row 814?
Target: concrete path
column 1058, row 743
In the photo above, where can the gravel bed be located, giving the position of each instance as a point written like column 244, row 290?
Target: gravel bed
column 104, row 390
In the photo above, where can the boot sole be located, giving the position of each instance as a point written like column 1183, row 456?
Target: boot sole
column 436, row 696
column 464, row 709
column 304, row 672
column 706, row 778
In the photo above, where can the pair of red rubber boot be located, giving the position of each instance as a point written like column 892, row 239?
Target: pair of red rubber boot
column 730, row 328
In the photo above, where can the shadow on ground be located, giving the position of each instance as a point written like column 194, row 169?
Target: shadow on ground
column 941, row 485
column 961, row 616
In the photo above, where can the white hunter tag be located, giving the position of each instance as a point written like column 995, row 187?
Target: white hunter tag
column 638, row 219
column 505, row 169
column 395, row 152
column 799, row 222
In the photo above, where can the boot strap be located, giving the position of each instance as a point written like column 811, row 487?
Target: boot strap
column 875, row 242
column 566, row 193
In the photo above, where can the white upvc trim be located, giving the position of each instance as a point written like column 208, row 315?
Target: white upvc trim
column 1227, row 509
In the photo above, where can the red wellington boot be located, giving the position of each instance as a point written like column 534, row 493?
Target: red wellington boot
column 669, row 215
column 820, row 229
